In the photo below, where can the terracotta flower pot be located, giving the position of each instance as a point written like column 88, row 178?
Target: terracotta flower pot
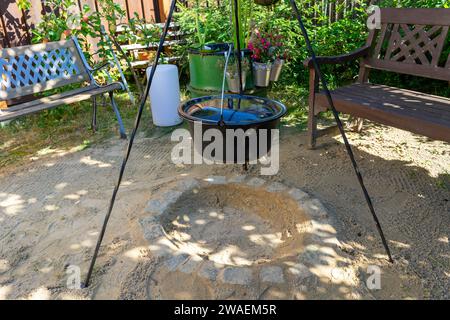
column 261, row 73
column 144, row 56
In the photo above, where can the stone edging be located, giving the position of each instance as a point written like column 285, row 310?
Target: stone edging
column 174, row 259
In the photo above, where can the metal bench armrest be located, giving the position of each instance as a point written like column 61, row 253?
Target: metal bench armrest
column 101, row 67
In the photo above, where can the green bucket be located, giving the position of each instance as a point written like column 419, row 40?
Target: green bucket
column 206, row 68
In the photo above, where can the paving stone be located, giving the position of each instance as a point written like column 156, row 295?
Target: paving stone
column 300, row 271
column 237, row 179
column 158, row 206
column 314, row 208
column 311, row 255
column 276, row 187
column 272, row 274
column 190, row 265
column 152, row 229
column 155, row 206
column 171, row 196
column 187, row 184
column 256, row 182
column 216, row 180
column 208, row 271
column 173, row 263
column 235, row 275
column 298, row 194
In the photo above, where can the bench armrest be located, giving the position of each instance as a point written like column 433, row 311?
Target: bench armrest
column 361, row 52
column 101, row 66
column 105, row 65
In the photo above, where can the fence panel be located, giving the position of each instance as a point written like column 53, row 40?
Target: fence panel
column 15, row 24
column 14, row 31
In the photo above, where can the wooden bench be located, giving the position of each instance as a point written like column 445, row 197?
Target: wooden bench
column 35, row 69
column 410, row 41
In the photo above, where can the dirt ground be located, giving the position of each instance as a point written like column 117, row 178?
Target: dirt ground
column 51, row 211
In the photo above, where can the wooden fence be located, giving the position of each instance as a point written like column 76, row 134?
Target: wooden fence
column 15, row 24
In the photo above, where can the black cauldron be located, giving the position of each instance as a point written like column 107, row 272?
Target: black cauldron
column 240, row 113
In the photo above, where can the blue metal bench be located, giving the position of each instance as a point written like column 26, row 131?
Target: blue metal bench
column 35, row 69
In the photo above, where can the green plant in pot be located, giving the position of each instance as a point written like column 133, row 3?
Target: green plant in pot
column 279, row 55
column 209, row 28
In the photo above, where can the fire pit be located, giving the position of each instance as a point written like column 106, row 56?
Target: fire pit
column 232, row 229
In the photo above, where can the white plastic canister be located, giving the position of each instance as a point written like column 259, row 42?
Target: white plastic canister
column 165, row 95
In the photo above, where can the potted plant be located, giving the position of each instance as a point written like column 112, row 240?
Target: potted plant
column 232, row 74
column 260, row 45
column 278, row 54
column 208, row 42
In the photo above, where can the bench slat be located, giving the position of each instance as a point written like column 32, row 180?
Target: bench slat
column 397, row 98
column 419, row 113
column 56, row 100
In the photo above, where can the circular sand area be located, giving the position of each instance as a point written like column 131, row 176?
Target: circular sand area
column 236, row 225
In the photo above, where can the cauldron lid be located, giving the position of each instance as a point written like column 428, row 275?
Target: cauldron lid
column 237, row 109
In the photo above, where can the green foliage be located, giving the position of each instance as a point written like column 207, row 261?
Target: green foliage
column 63, row 19
column 54, row 23
column 329, row 37
column 138, row 31
column 23, row 4
column 415, row 3
column 205, row 24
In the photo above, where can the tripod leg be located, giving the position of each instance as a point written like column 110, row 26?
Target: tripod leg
column 130, row 144
column 341, row 128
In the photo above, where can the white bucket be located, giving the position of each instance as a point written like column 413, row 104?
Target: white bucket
column 165, row 95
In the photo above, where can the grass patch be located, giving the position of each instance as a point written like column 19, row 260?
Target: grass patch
column 63, row 129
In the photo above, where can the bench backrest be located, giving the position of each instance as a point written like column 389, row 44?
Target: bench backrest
column 410, row 41
column 41, row 67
